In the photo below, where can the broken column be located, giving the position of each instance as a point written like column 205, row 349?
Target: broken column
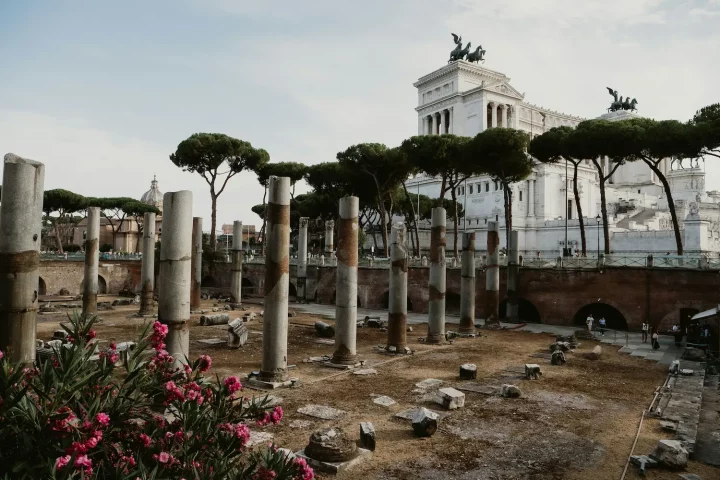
column 236, row 263
column 92, row 260
column 492, row 275
column 397, row 295
column 196, row 275
column 512, row 277
column 467, row 284
column 302, row 260
column 147, row 275
column 329, row 246
column 436, row 287
column 20, row 225
column 175, row 253
column 346, row 283
column 277, row 265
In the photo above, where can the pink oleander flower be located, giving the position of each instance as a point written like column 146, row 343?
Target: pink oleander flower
column 90, row 335
column 1, row 354
column 276, row 415
column 103, row 419
column 264, row 474
column 113, row 346
column 60, row 462
column 91, row 442
column 306, row 473
column 232, row 384
column 83, row 461
column 146, row 441
column 205, row 363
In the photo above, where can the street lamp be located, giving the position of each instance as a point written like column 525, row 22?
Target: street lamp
column 597, row 219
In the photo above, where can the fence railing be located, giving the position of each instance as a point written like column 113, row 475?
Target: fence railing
column 80, row 256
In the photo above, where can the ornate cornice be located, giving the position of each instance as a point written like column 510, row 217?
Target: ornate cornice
column 461, row 66
column 439, row 104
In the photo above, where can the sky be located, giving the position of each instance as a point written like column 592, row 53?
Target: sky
column 102, row 92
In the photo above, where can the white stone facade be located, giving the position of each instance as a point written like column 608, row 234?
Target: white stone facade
column 465, row 99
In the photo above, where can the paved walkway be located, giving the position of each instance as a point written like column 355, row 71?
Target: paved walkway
column 630, row 342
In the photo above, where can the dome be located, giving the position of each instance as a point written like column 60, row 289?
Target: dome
column 153, row 196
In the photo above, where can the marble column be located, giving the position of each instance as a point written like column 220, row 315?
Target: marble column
column 436, row 287
column 92, row 261
column 431, row 120
column 147, row 273
column 329, row 241
column 196, row 275
column 492, row 274
column 277, row 278
column 513, row 271
column 175, row 271
column 397, row 296
column 493, row 115
column 450, row 120
column 467, row 284
column 346, row 283
column 302, row 260
column 505, row 110
column 20, row 226
column 441, row 124
column 236, row 261
column 531, row 198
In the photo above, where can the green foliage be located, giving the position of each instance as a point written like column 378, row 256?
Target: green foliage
column 500, row 153
column 552, row 146
column 437, row 156
column 63, row 202
column 708, row 114
column 138, row 209
column 105, row 247
column 295, row 171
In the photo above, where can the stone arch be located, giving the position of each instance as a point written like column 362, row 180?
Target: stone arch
column 385, row 301
column 102, row 285
column 42, row 286
column 680, row 315
column 246, row 287
column 208, row 281
column 614, row 317
column 292, row 290
column 527, row 312
column 452, row 302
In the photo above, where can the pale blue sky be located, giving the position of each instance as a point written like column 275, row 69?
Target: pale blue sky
column 103, row 91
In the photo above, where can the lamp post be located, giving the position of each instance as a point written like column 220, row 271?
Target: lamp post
column 597, row 221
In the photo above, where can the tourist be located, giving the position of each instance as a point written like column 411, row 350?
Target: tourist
column 645, row 328
column 677, row 333
column 589, row 322
column 655, row 342
column 601, row 323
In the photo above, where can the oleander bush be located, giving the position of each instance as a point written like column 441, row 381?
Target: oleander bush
column 87, row 413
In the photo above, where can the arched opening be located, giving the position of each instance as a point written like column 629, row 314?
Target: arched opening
column 208, row 281
column 292, row 291
column 452, row 302
column 102, row 285
column 247, row 287
column 527, row 312
column 385, row 301
column 42, row 287
column 613, row 318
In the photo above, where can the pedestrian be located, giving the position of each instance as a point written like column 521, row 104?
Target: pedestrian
column 655, row 342
column 589, row 322
column 677, row 333
column 645, row 328
column 601, row 323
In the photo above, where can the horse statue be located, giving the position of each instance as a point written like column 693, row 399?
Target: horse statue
column 458, row 46
column 617, row 101
column 476, row 56
column 629, row 104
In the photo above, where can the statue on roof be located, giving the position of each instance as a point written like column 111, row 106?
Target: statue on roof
column 477, row 56
column 458, row 52
column 619, row 103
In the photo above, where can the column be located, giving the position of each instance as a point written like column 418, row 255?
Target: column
column 302, row 260
column 277, row 267
column 506, row 111
column 329, row 246
column 512, row 277
column 397, row 297
column 493, row 115
column 450, row 120
column 436, row 287
column 425, row 127
column 92, row 260
column 431, row 120
column 196, row 275
column 236, row 259
column 492, row 275
column 531, row 198
column 20, row 224
column 175, row 270
column 147, row 274
column 441, row 124
column 346, row 283
column 467, row 284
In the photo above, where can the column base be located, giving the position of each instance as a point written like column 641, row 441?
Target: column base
column 435, row 338
column 342, row 366
column 344, row 359
column 271, row 385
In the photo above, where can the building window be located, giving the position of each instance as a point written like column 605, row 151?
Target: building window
column 486, row 221
column 520, row 195
column 638, row 191
column 570, row 210
column 487, row 186
column 471, row 190
column 496, row 186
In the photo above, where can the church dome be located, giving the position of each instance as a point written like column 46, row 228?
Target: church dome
column 153, row 196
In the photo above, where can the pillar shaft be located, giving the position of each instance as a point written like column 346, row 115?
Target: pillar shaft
column 467, row 284
column 236, row 259
column 175, row 272
column 531, row 198
column 92, row 260
column 397, row 299
column 436, row 305
column 196, row 269
column 492, row 274
column 277, row 268
column 512, row 277
column 302, row 260
column 493, row 115
column 346, row 283
column 20, row 225
column 147, row 274
column 329, row 245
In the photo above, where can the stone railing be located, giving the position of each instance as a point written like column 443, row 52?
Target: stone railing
column 80, row 257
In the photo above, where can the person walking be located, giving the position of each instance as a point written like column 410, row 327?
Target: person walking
column 601, row 324
column 677, row 333
column 655, row 342
column 589, row 322
column 645, row 328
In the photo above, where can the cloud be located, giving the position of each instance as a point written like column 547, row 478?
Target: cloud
column 702, row 12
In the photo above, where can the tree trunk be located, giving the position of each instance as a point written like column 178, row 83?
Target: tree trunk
column 139, row 235
column 507, row 193
column 453, row 195
column 443, row 187
column 603, row 213
column 415, row 220
column 262, row 229
column 383, row 223
column 58, row 240
column 576, row 192
column 213, row 221
column 671, row 204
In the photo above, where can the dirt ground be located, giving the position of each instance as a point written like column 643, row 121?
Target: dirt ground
column 577, row 422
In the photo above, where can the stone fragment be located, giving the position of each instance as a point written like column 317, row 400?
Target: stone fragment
column 558, row 358
column 299, row 424
column 670, row 454
column 325, row 341
column 219, row 319
column 562, row 346
column 643, row 462
column 292, row 313
column 693, row 354
column 668, row 426
column 690, row 476
column 227, row 307
column 324, row 330
column 510, row 391
column 675, row 367
column 104, row 306
column 384, row 401
column 595, row 354
column 331, row 445
column 687, row 371
column 60, row 335
column 429, row 384
column 468, row 371
column 257, row 437
column 248, row 317
column 122, row 302
column 367, row 436
column 450, row 399
column 321, row 411
column 532, row 371
column 365, row 371
column 409, row 329
column 424, row 422
column 237, row 334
